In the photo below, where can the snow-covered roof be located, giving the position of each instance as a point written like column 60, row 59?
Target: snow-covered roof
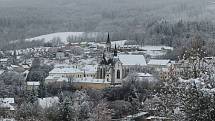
column 25, row 66
column 156, row 48
column 7, row 119
column 155, row 51
column 90, row 68
column 159, row 62
column 53, row 77
column 137, row 115
column 144, row 75
column 7, row 105
column 83, row 43
column 130, row 46
column 4, row 60
column 208, row 90
column 90, row 80
column 7, row 100
column 87, row 61
column 64, row 70
column 62, row 79
column 119, row 43
column 196, row 81
column 33, row 83
column 2, row 71
column 26, row 72
column 156, row 117
column 62, row 65
column 82, row 80
column 48, row 101
column 101, row 45
column 14, row 66
column 132, row 60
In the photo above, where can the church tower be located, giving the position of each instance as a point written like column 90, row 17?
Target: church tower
column 110, row 67
column 108, row 54
column 108, row 44
column 115, row 51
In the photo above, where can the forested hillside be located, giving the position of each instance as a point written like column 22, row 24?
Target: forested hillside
column 21, row 19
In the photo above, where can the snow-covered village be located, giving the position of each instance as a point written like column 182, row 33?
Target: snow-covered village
column 119, row 66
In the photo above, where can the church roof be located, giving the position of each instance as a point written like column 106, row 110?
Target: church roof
column 132, row 60
column 159, row 62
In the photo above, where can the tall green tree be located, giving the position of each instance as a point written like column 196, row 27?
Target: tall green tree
column 66, row 111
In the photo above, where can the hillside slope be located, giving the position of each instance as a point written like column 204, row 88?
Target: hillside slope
column 21, row 19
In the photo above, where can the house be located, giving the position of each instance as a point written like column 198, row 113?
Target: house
column 32, row 85
column 1, row 71
column 146, row 76
column 165, row 68
column 90, row 83
column 25, row 66
column 83, row 44
column 156, row 51
column 80, row 77
column 7, row 119
column 159, row 64
column 8, row 106
column 136, row 117
column 71, row 72
column 48, row 102
column 17, row 68
column 4, row 61
column 60, row 55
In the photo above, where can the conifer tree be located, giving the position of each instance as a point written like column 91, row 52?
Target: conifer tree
column 66, row 110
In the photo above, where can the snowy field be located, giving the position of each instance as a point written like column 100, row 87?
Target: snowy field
column 64, row 35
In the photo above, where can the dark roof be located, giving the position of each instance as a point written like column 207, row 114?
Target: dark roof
column 106, row 62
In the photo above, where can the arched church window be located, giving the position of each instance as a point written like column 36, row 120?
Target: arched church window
column 118, row 74
column 100, row 73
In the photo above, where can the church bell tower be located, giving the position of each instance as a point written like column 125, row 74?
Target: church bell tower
column 108, row 44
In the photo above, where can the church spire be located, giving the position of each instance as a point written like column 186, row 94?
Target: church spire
column 108, row 39
column 108, row 44
column 115, row 51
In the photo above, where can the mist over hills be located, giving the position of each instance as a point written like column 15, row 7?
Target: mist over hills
column 21, row 19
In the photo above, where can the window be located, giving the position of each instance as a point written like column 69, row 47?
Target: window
column 118, row 74
column 100, row 73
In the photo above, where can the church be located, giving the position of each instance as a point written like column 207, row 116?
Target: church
column 114, row 67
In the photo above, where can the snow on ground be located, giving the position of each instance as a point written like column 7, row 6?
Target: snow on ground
column 156, row 48
column 155, row 51
column 64, row 35
column 2, row 71
column 197, row 82
column 119, row 43
column 6, row 103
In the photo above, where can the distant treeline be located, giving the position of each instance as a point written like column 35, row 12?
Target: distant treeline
column 149, row 22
